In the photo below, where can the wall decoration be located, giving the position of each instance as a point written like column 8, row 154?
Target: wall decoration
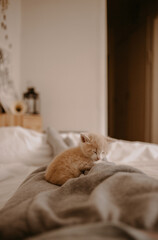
column 7, row 91
column 3, row 22
column 4, row 4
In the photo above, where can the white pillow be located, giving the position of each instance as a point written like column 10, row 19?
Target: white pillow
column 71, row 139
column 56, row 141
column 18, row 144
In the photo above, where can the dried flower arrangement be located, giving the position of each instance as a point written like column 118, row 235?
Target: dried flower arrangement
column 18, row 108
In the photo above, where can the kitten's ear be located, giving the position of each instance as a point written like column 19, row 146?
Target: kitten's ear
column 84, row 137
column 110, row 140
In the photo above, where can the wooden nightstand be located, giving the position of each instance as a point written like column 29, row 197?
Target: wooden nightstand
column 31, row 121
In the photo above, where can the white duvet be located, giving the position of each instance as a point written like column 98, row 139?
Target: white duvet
column 23, row 150
column 143, row 156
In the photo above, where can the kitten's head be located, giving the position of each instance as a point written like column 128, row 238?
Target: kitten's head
column 94, row 146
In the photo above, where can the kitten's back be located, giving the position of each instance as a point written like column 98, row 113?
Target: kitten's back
column 65, row 166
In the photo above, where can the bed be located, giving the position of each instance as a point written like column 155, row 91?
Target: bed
column 116, row 199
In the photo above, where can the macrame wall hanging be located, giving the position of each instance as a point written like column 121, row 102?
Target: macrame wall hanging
column 4, row 4
column 7, row 91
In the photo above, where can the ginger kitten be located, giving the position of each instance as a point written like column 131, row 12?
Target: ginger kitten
column 74, row 161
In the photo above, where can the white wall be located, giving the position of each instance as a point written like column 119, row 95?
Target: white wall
column 13, row 20
column 63, row 56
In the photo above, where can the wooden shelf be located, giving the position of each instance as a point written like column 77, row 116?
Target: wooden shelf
column 30, row 121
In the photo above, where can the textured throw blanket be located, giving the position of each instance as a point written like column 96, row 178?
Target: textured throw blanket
column 110, row 202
